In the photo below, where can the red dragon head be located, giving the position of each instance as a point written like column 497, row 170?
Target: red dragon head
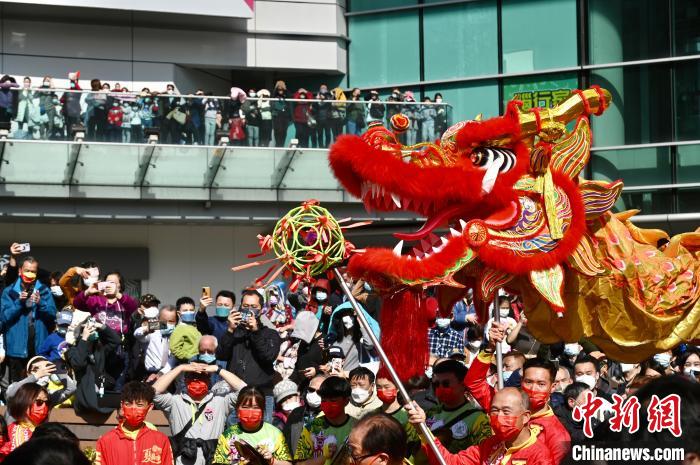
column 503, row 196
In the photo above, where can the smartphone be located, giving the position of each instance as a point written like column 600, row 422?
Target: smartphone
column 206, row 292
column 153, row 325
column 245, row 314
column 24, row 248
column 103, row 285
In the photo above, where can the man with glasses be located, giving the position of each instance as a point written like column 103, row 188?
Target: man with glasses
column 377, row 439
column 458, row 422
column 251, row 348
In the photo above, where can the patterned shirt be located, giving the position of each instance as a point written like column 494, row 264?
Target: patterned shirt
column 322, row 439
column 267, row 437
column 470, row 430
column 442, row 343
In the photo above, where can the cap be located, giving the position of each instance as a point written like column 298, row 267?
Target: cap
column 335, row 352
column 284, row 389
column 65, row 317
column 34, row 360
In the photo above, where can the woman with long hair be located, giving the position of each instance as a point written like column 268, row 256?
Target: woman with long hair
column 30, row 408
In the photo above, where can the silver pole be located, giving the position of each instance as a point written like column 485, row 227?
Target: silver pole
column 499, row 350
column 382, row 355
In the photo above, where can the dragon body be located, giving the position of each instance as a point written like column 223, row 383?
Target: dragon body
column 506, row 207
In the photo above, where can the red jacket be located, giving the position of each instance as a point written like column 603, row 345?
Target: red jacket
column 151, row 447
column 554, row 435
column 492, row 451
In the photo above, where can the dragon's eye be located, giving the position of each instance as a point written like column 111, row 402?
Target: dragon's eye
column 483, row 156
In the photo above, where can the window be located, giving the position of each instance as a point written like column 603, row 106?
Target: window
column 366, row 5
column 538, row 34
column 384, row 49
column 460, row 40
column 468, row 99
column 539, row 91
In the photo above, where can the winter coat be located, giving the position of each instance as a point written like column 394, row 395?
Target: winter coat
column 212, row 325
column 280, row 107
column 264, row 104
column 7, row 95
column 356, row 111
column 28, row 107
column 15, row 314
column 375, row 111
column 339, row 109
column 251, row 112
column 88, row 360
column 322, row 110
column 309, row 355
column 115, row 315
column 251, row 355
column 71, row 103
column 301, row 110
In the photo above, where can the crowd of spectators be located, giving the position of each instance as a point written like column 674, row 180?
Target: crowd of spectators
column 256, row 117
column 292, row 377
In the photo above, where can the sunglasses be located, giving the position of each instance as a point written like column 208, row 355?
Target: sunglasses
column 40, row 402
column 310, row 389
column 355, row 460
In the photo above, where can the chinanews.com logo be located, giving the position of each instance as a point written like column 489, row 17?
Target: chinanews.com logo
column 590, row 453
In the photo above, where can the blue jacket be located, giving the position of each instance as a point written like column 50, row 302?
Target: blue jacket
column 49, row 348
column 213, row 325
column 14, row 316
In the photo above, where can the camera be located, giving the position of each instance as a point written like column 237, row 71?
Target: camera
column 245, row 314
column 153, row 325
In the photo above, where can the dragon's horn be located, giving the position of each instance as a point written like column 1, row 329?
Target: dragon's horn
column 568, row 110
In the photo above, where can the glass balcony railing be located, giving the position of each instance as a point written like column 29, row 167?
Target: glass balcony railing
column 83, row 169
column 124, row 117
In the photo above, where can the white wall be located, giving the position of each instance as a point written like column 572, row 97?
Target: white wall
column 182, row 259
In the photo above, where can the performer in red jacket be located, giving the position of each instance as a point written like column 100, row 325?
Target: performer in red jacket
column 133, row 441
column 514, row 441
column 537, row 382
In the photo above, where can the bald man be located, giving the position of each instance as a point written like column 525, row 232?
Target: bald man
column 377, row 438
column 513, row 438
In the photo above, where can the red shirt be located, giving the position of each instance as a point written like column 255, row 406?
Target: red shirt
column 150, row 447
column 554, row 435
column 491, row 451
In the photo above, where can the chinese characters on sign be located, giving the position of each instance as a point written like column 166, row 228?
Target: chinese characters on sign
column 662, row 414
column 542, row 98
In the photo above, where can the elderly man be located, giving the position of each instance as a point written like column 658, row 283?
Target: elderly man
column 377, row 438
column 513, row 438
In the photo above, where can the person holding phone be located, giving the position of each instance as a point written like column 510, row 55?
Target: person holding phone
column 27, row 307
column 215, row 325
column 251, row 348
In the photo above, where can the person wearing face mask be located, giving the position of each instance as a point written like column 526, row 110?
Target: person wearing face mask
column 79, row 278
column 27, row 310
column 587, row 370
column 29, row 407
column 459, row 422
column 278, row 311
column 537, row 382
column 441, row 121
column 320, row 303
column 509, row 322
column 514, row 440
column 195, row 441
column 375, row 109
column 251, row 112
column 251, row 428
column 249, row 348
column 689, row 364
column 215, row 325
column 89, row 360
column 286, row 394
column 363, row 397
column 388, row 394
column 303, row 415
column 564, row 378
column 327, row 432
column 134, row 441
column 157, row 358
column 442, row 339
column 281, row 114
column 47, row 107
column 574, row 395
column 304, row 123
column 43, row 372
column 50, row 347
column 184, row 342
column 345, row 332
column 473, row 337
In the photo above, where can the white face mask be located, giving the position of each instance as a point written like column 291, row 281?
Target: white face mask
column 663, row 359
column 442, row 323
column 475, row 345
column 504, row 312
column 43, row 381
column 587, row 379
column 360, row 395
column 429, row 372
column 57, row 291
column 321, row 296
column 506, row 375
column 690, row 371
column 347, row 322
column 313, row 399
column 627, row 367
column 572, row 350
column 291, row 405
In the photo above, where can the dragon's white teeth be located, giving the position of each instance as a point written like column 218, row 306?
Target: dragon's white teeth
column 463, row 224
column 443, row 240
column 398, row 248
column 437, row 249
column 397, row 200
column 455, row 233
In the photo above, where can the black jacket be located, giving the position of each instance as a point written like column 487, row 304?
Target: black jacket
column 251, row 355
column 308, row 355
column 88, row 361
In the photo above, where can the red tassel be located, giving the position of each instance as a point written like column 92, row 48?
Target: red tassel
column 405, row 333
